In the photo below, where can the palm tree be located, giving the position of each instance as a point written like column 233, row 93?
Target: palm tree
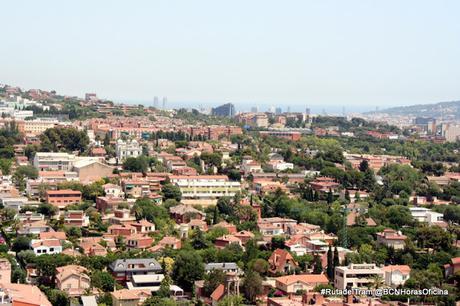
column 377, row 281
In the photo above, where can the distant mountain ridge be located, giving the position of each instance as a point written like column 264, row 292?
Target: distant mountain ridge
column 446, row 110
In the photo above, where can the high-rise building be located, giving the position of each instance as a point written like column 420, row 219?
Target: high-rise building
column 226, row 110
column 307, row 111
column 254, row 109
column 165, row 100
column 155, row 102
column 450, row 131
column 422, row 120
column 278, row 110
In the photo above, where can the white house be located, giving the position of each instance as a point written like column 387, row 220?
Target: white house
column 48, row 246
column 126, row 149
column 396, row 275
column 423, row 214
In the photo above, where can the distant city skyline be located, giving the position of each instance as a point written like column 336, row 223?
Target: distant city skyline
column 320, row 54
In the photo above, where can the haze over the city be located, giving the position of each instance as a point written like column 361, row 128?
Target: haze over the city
column 321, row 54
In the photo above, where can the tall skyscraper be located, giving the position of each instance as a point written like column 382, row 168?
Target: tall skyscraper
column 278, row 110
column 307, row 111
column 165, row 100
column 155, row 102
column 254, row 109
column 225, row 110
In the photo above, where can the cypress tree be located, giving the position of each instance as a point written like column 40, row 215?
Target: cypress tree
column 330, row 197
column 318, row 265
column 330, row 264
column 336, row 258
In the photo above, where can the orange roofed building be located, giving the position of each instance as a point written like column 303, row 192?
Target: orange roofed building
column 23, row 295
column 281, row 261
column 301, row 282
column 63, row 198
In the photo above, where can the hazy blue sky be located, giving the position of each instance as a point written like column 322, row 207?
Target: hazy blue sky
column 317, row 53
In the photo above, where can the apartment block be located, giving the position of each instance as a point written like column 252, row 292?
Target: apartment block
column 356, row 276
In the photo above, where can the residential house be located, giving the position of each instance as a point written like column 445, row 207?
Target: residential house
column 292, row 284
column 423, row 214
column 223, row 241
column 138, row 241
column 76, row 218
column 143, row 226
column 114, row 191
column 34, row 228
column 122, row 216
column 356, row 276
column 392, row 238
column 127, row 297
column 48, row 246
column 226, row 267
column 73, row 280
column 123, row 269
column 184, row 213
column 453, row 267
column 396, row 275
column 121, row 230
column 167, row 242
column 244, row 236
column 230, row 227
column 281, row 261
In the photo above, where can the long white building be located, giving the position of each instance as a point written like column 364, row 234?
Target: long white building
column 205, row 186
column 56, row 161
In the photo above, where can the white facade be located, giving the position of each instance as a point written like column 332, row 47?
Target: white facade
column 14, row 202
column 57, row 161
column 41, row 247
column 422, row 214
column 281, row 166
column 395, row 277
column 205, row 186
column 130, row 148
column 357, row 276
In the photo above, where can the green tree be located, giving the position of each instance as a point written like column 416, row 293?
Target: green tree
column 188, row 267
column 330, row 264
column 212, row 280
column 336, row 260
column 330, row 197
column 165, row 290
column 171, row 191
column 69, row 139
column 199, row 241
column 252, row 285
column 47, row 209
column 5, row 165
column 231, row 300
column 57, row 297
column 21, row 243
column 318, row 265
column 136, row 164
column 102, row 280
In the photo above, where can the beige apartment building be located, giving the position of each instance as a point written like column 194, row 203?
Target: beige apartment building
column 357, row 276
